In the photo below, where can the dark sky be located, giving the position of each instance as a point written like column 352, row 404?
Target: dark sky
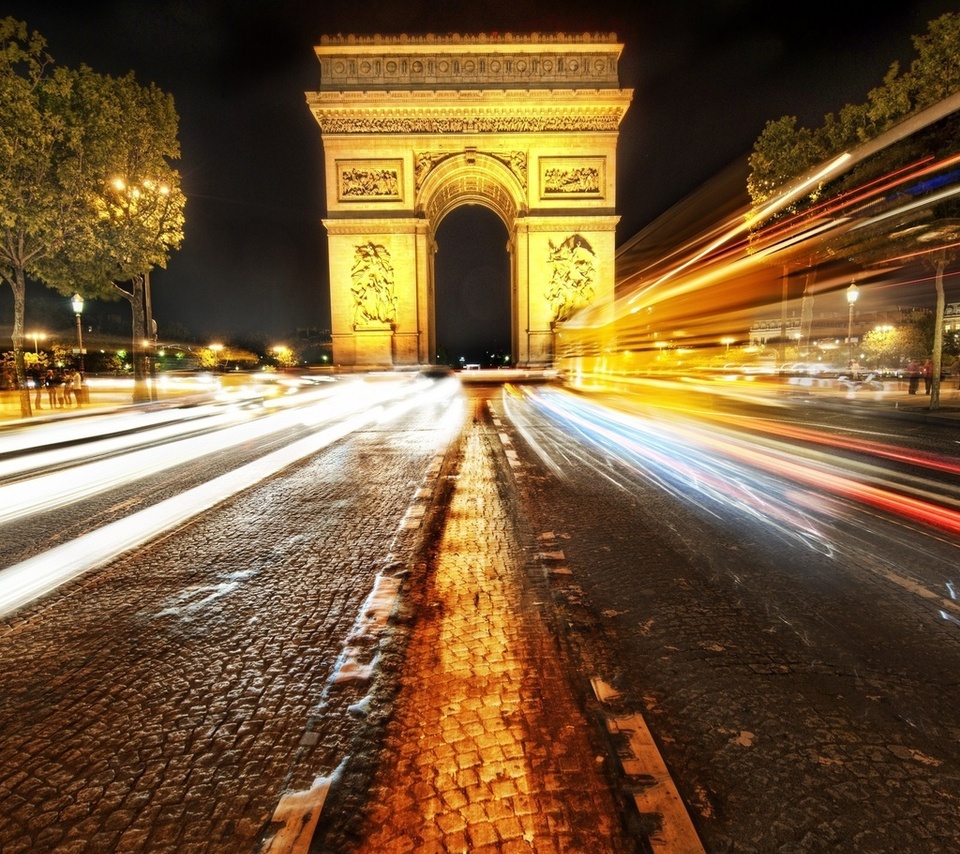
column 707, row 75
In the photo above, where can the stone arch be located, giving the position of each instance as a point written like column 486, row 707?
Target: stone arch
column 415, row 126
column 471, row 178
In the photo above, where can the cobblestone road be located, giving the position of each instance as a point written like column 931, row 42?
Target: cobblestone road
column 165, row 703
column 488, row 750
column 805, row 700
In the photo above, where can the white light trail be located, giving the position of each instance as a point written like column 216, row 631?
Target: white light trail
column 29, row 579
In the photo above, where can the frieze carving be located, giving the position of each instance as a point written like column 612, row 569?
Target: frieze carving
column 384, row 183
column 573, row 268
column 374, row 299
column 330, row 124
column 585, row 179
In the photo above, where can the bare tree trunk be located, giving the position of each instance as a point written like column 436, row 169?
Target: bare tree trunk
column 141, row 392
column 18, row 285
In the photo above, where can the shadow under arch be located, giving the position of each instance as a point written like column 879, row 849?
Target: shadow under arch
column 472, row 297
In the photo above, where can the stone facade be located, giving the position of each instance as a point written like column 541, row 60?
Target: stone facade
column 415, row 126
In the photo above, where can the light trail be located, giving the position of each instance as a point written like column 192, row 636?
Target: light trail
column 32, row 578
column 61, row 487
column 744, row 472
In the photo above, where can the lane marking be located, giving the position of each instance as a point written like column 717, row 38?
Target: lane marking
column 296, row 818
column 654, row 794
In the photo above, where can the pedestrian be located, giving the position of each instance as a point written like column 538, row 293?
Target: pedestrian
column 913, row 375
column 37, row 376
column 76, row 385
column 927, row 371
column 50, row 384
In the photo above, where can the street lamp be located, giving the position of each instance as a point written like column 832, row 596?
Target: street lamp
column 77, row 303
column 216, row 355
column 852, row 294
column 36, row 336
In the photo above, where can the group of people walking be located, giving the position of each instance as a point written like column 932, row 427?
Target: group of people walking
column 60, row 387
column 917, row 372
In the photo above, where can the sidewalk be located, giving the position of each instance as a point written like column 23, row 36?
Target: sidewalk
column 102, row 396
column 894, row 401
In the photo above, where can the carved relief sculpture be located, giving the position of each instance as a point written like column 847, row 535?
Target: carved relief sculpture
column 570, row 177
column 573, row 269
column 586, row 179
column 425, row 161
column 369, row 180
column 516, row 161
column 374, row 300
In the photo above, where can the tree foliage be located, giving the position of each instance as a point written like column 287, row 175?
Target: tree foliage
column 36, row 202
column 88, row 199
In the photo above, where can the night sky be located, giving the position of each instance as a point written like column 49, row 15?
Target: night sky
column 707, row 75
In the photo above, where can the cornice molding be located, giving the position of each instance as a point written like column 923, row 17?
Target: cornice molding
column 541, row 225
column 371, row 113
column 468, row 41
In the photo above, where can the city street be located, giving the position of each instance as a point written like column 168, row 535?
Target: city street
column 298, row 624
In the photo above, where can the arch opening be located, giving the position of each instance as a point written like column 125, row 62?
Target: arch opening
column 472, row 288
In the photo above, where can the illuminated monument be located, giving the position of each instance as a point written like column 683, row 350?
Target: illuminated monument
column 415, row 126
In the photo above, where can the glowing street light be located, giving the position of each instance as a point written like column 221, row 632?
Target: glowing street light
column 36, row 336
column 77, row 302
column 852, row 294
column 216, row 355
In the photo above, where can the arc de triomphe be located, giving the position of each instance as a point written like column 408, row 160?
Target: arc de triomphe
column 415, row 126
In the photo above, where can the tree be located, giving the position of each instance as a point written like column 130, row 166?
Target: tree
column 894, row 203
column 135, row 207
column 88, row 199
column 38, row 204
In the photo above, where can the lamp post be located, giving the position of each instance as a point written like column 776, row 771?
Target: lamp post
column 852, row 294
column 77, row 303
column 36, row 336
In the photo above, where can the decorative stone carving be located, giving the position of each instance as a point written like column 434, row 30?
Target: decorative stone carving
column 370, row 182
column 573, row 268
column 583, row 180
column 516, row 161
column 374, row 300
column 569, row 177
column 484, row 61
column 425, row 161
column 335, row 124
